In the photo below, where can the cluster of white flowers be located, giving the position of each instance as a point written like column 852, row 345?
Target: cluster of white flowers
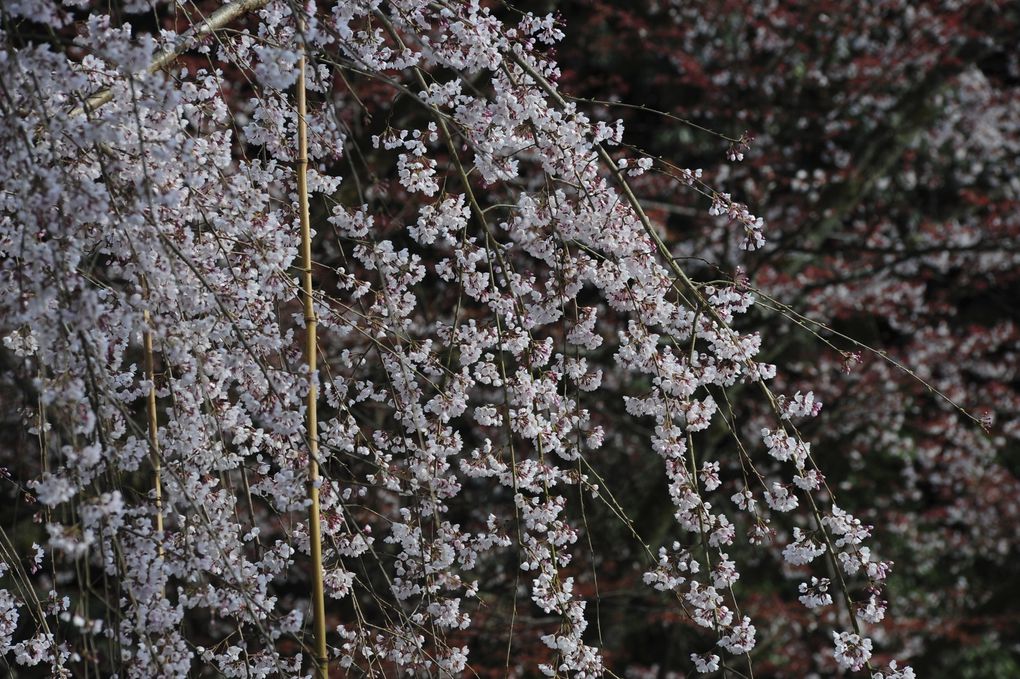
column 815, row 594
column 852, row 650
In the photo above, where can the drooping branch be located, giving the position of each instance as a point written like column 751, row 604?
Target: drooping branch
column 153, row 426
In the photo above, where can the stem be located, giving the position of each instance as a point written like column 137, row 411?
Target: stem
column 312, row 425
column 157, row 468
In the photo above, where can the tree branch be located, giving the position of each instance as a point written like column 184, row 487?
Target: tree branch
column 220, row 18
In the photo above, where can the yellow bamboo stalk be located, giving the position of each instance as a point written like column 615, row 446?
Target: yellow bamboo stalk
column 312, row 425
column 157, row 465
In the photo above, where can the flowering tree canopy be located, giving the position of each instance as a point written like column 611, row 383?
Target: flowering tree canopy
column 362, row 337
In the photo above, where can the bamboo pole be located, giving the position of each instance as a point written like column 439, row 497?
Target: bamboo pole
column 157, row 465
column 312, row 425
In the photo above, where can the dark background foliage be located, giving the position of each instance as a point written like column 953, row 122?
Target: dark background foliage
column 886, row 138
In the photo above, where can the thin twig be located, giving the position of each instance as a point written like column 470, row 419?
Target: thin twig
column 157, row 470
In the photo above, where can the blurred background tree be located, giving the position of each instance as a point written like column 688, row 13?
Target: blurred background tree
column 886, row 138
